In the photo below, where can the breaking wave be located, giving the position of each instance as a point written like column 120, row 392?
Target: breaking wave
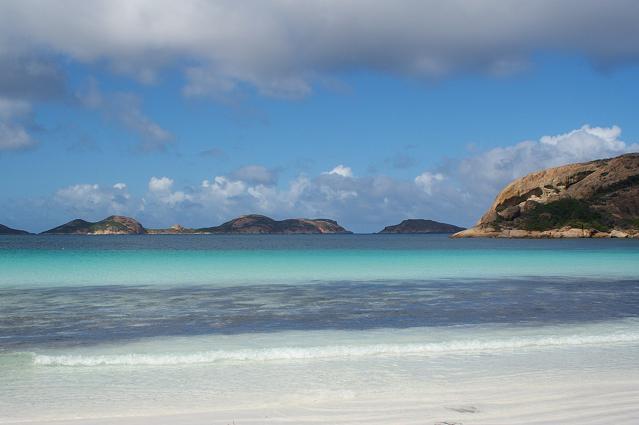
column 332, row 351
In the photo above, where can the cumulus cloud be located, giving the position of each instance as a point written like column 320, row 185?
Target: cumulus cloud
column 160, row 184
column 223, row 189
column 94, row 201
column 457, row 194
column 487, row 172
column 341, row 170
column 427, row 180
column 282, row 48
column 362, row 202
column 161, row 190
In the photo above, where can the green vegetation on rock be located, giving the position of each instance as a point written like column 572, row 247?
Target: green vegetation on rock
column 564, row 212
column 108, row 224
column 114, row 224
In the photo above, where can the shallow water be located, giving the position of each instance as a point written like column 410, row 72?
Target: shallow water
column 214, row 260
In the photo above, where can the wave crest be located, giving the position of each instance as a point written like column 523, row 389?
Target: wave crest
column 331, row 351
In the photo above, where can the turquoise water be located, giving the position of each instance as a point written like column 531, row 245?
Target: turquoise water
column 145, row 324
column 72, row 267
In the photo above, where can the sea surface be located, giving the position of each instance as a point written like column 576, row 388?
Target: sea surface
column 128, row 326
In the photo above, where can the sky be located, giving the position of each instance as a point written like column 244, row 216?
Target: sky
column 367, row 112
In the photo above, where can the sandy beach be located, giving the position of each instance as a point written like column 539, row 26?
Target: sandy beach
column 588, row 400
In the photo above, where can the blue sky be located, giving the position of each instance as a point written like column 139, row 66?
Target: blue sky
column 366, row 126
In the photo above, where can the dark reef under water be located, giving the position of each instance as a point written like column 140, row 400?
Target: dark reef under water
column 70, row 316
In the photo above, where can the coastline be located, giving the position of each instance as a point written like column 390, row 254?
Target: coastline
column 564, row 232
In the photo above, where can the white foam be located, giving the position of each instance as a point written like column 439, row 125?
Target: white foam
column 334, row 351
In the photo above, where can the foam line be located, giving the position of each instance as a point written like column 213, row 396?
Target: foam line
column 332, row 351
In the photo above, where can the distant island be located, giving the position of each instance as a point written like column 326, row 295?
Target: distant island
column 113, row 225
column 255, row 223
column 5, row 230
column 597, row 199
column 176, row 229
column 247, row 224
column 415, row 225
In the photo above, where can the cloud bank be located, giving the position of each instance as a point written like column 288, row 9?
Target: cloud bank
column 282, row 48
column 457, row 193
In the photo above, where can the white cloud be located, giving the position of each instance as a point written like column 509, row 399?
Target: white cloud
column 366, row 201
column 489, row 171
column 457, row 194
column 160, row 184
column 223, row 189
column 341, row 170
column 94, row 201
column 427, row 180
column 283, row 47
column 160, row 189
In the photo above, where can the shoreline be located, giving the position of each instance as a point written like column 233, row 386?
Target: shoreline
column 562, row 233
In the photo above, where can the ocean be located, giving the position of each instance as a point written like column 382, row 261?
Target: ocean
column 318, row 329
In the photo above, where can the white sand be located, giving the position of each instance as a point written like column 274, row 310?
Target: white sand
column 579, row 379
column 588, row 399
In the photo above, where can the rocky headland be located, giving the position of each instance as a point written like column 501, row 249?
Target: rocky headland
column 597, row 199
column 414, row 225
column 5, row 230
